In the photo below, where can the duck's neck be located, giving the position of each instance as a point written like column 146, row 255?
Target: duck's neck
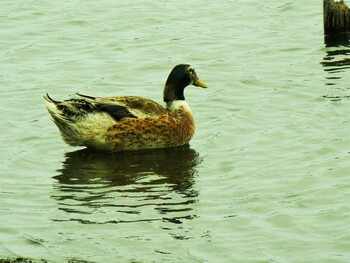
column 173, row 92
column 174, row 97
column 178, row 105
column 175, row 104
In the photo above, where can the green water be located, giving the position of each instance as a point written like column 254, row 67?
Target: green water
column 265, row 178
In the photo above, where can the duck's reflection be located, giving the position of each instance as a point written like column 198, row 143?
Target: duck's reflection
column 127, row 187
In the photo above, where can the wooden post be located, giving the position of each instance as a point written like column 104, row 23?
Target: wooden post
column 336, row 17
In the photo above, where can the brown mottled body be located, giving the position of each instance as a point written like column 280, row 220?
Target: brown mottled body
column 172, row 128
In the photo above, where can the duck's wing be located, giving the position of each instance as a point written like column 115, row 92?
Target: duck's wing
column 126, row 106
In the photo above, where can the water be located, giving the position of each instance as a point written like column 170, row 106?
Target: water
column 266, row 177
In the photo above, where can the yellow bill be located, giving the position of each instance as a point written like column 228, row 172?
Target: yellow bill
column 200, row 83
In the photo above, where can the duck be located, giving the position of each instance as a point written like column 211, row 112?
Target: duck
column 129, row 123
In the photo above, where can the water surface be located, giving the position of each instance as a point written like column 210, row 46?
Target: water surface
column 266, row 177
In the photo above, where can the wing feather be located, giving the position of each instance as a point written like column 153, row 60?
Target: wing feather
column 126, row 106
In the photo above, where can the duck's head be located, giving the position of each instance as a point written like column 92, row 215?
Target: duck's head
column 179, row 78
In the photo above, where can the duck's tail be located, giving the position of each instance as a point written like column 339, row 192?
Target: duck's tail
column 79, row 120
column 62, row 116
column 69, row 110
column 69, row 116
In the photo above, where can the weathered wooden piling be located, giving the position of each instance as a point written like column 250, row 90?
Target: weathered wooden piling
column 336, row 17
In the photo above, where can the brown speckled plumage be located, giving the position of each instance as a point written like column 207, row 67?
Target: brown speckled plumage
column 128, row 122
column 167, row 130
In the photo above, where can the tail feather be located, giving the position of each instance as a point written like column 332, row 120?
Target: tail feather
column 60, row 118
column 79, row 120
column 85, row 96
column 55, row 109
column 49, row 99
column 69, row 110
column 65, row 114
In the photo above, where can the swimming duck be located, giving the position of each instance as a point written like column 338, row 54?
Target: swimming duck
column 128, row 123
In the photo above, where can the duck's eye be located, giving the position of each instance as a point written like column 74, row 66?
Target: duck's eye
column 191, row 72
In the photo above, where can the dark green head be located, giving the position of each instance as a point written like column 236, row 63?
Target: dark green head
column 179, row 78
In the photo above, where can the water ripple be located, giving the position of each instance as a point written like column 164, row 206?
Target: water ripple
column 141, row 186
